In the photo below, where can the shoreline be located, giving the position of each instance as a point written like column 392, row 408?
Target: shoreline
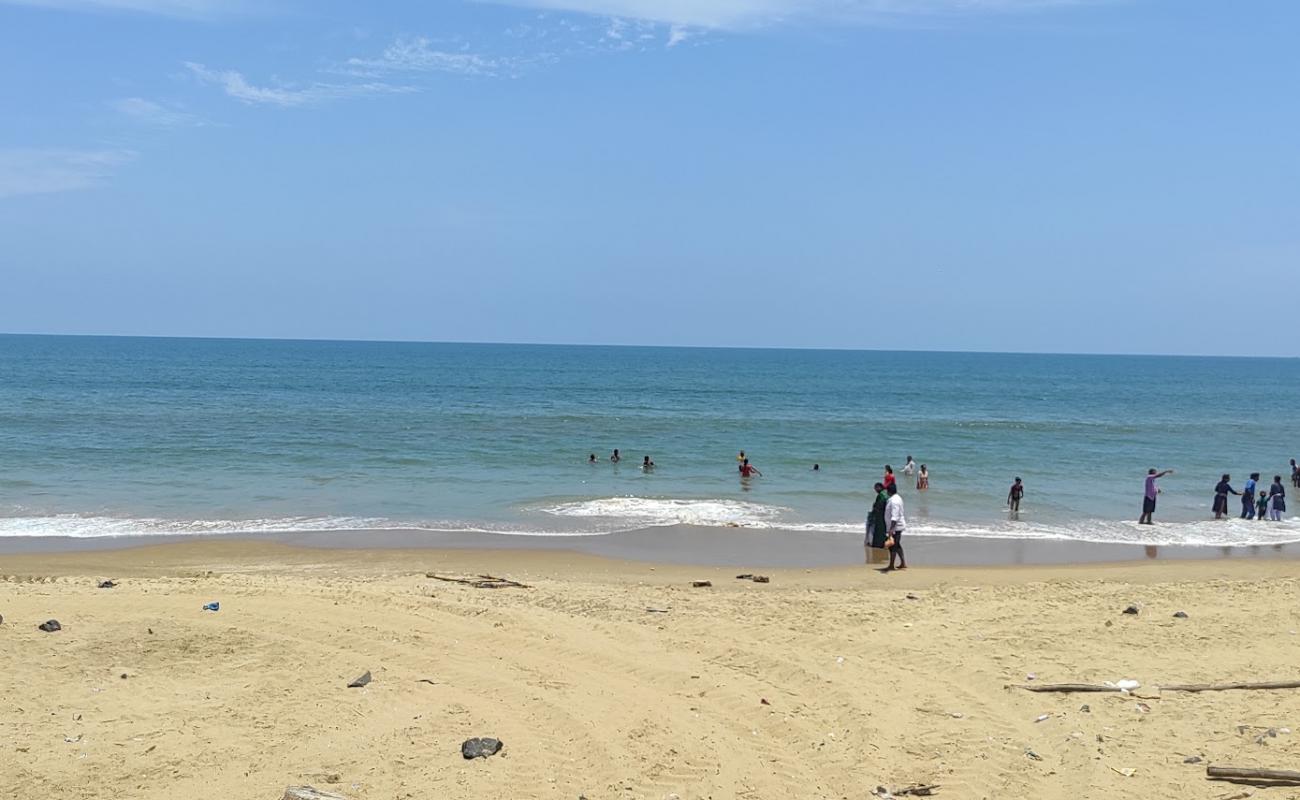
column 682, row 545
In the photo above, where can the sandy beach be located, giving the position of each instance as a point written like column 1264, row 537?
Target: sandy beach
column 820, row 684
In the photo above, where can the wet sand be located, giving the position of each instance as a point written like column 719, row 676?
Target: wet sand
column 686, row 545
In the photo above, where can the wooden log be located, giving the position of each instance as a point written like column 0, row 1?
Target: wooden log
column 1244, row 775
column 1065, row 687
column 1224, row 687
column 308, row 793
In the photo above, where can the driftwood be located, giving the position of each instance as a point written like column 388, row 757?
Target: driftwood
column 1173, row 687
column 1066, row 687
column 308, row 793
column 1243, row 775
column 1224, row 687
column 481, row 582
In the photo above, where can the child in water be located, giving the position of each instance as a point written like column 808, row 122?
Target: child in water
column 1261, row 505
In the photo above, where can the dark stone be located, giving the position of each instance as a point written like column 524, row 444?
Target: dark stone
column 1192, row 760
column 701, row 584
column 762, row 579
column 50, row 626
column 480, row 748
column 361, row 681
column 748, row 576
column 1180, row 614
column 1131, row 610
column 107, row 584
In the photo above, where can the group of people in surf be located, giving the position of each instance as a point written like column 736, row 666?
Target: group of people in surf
column 1256, row 503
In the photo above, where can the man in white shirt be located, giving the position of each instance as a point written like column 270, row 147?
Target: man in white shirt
column 909, row 467
column 895, row 524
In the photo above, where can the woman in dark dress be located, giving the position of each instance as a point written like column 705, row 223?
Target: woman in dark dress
column 1221, row 493
column 876, row 519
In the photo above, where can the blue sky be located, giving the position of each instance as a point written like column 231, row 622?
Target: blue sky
column 1096, row 175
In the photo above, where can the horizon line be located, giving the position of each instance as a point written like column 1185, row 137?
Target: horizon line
column 787, row 348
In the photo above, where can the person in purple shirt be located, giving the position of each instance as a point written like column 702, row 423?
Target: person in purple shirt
column 1149, row 501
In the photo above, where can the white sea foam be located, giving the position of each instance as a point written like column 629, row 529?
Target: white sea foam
column 648, row 512
column 607, row 515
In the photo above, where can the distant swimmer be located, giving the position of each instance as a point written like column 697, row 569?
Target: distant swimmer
column 817, row 467
column 740, row 457
column 747, row 470
column 1013, row 496
column 591, row 459
column 647, row 464
column 910, row 467
column 1149, row 497
column 1221, row 492
column 616, row 457
column 889, row 479
column 923, row 479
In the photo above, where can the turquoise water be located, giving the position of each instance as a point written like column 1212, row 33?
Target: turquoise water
column 129, row 436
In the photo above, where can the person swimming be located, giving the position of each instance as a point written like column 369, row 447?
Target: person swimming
column 647, row 464
column 616, row 457
column 591, row 459
column 817, row 467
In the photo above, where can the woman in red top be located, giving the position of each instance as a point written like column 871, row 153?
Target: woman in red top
column 888, row 480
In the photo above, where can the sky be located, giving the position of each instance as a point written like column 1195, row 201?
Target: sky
column 1010, row 175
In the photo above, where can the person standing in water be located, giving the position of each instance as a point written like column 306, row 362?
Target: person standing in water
column 889, row 479
column 923, row 479
column 647, row 464
column 1221, row 492
column 591, row 459
column 895, row 524
column 1149, row 498
column 1013, row 496
column 1295, row 474
column 1248, row 496
column 876, row 519
column 910, row 467
column 746, row 470
column 614, row 459
column 1261, row 506
column 1276, row 499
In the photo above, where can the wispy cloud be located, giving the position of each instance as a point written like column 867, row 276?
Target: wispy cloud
column 147, row 112
column 418, row 54
column 25, row 171
column 735, row 14
column 170, row 8
column 235, row 85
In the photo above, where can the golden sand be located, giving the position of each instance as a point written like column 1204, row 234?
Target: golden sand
column 820, row 684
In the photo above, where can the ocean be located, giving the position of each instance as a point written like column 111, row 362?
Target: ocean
column 112, row 437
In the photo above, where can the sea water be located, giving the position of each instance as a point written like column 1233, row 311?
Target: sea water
column 108, row 436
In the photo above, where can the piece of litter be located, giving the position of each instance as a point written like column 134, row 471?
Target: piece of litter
column 1127, row 685
column 213, row 606
column 763, row 700
column 1192, row 760
column 1131, row 610
column 1180, row 615
column 1143, row 707
column 50, row 626
column 71, row 740
column 1033, row 676
column 1085, row 709
column 956, row 714
column 1042, row 717
column 107, row 584
column 1127, row 772
column 1033, row 755
column 701, row 584
column 357, row 683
